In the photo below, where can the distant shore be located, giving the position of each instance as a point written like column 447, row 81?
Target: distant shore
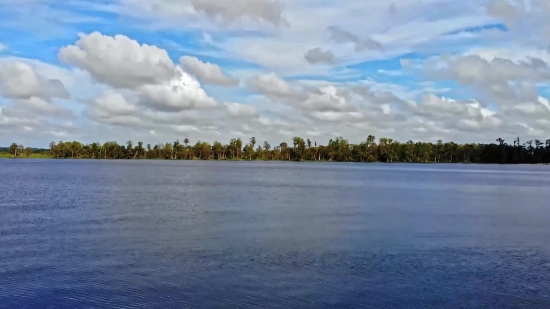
column 300, row 150
column 4, row 156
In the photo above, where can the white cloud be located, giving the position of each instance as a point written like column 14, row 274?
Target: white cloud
column 273, row 85
column 332, row 116
column 221, row 12
column 19, row 81
column 111, row 103
column 207, row 72
column 43, row 107
column 241, row 110
column 30, row 94
column 119, row 61
column 181, row 93
column 3, row 47
column 306, row 67
column 327, row 100
column 474, row 69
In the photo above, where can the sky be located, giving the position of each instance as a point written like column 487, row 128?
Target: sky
column 211, row 70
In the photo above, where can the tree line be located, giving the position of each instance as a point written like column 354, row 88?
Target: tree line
column 18, row 150
column 338, row 149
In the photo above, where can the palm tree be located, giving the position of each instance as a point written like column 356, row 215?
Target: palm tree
column 239, row 146
column 175, row 148
column 284, row 147
column 252, row 144
column 267, row 147
column 186, row 142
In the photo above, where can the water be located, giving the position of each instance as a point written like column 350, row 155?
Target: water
column 162, row 234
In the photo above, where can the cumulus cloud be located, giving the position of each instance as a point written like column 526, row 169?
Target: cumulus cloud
column 42, row 107
column 148, row 77
column 119, row 61
column 30, row 93
column 10, row 119
column 207, row 72
column 327, row 100
column 181, row 93
column 503, row 80
column 473, row 69
column 317, row 55
column 118, row 81
column 342, row 36
column 332, row 116
column 112, row 103
column 238, row 110
column 465, row 115
column 18, row 80
column 273, row 85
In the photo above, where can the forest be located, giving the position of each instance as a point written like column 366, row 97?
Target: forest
column 338, row 149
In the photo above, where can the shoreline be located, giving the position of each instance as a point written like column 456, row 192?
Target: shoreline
column 244, row 160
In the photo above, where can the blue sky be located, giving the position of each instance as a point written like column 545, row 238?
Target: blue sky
column 159, row 70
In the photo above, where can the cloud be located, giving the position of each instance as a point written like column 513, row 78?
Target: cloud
column 308, row 68
column 316, row 55
column 111, row 107
column 503, row 9
column 207, row 72
column 265, row 10
column 3, row 47
column 181, row 93
column 222, row 12
column 464, row 115
column 113, row 103
column 42, row 108
column 273, row 85
column 119, row 61
column 392, row 9
column 473, row 69
column 503, row 80
column 238, row 110
column 31, row 94
column 19, row 81
column 328, row 99
column 342, row 36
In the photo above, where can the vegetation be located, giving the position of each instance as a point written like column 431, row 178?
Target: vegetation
column 19, row 151
column 339, row 149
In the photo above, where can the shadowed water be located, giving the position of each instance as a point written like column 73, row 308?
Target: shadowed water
column 163, row 234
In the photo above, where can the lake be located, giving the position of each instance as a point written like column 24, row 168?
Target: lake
column 180, row 234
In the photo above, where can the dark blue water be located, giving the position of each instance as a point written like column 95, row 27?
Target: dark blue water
column 160, row 234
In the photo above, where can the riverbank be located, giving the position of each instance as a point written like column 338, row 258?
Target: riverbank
column 49, row 157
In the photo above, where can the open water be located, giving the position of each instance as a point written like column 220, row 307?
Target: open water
column 164, row 234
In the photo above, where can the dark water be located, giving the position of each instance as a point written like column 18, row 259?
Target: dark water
column 158, row 234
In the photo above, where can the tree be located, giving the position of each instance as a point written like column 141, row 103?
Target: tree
column 267, row 148
column 251, row 148
column 186, row 142
column 13, row 150
column 175, row 148
column 337, row 149
column 217, row 148
column 284, row 150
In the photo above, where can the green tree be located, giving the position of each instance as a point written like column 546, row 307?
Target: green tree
column 13, row 150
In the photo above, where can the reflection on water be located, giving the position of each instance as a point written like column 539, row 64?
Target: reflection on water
column 159, row 234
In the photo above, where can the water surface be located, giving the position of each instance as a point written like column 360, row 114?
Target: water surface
column 164, row 234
